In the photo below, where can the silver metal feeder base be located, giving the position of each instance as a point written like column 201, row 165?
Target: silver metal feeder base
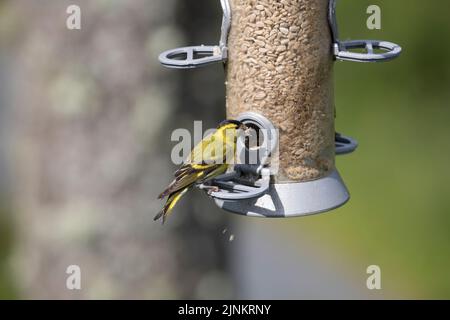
column 293, row 199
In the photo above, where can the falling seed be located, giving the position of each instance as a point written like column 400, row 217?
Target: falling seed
column 232, row 238
column 224, row 231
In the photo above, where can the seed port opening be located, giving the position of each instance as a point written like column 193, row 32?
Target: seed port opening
column 255, row 138
column 263, row 139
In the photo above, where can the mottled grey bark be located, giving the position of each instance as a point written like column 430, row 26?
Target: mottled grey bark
column 93, row 115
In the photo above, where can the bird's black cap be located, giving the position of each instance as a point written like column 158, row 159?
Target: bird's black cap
column 235, row 122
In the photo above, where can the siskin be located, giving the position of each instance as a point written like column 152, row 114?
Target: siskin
column 209, row 159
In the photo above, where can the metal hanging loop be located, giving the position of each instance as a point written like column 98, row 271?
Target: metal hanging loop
column 198, row 56
column 342, row 49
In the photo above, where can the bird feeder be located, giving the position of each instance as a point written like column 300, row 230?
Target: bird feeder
column 279, row 58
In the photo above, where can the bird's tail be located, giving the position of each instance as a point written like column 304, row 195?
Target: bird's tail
column 170, row 204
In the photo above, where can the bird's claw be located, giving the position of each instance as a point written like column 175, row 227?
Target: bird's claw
column 212, row 189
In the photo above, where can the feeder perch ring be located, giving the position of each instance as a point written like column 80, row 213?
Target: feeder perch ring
column 341, row 49
column 344, row 144
column 270, row 134
column 198, row 56
column 233, row 188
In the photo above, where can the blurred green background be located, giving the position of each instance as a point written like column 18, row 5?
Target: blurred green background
column 399, row 214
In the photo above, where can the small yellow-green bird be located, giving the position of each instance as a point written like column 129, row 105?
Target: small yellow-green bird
column 209, row 159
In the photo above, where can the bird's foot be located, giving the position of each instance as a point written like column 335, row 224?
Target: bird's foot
column 211, row 189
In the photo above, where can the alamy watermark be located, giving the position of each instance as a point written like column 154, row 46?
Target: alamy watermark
column 374, row 20
column 374, row 280
column 73, row 281
column 73, row 21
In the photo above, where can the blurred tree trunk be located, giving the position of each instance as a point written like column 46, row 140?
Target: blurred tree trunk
column 93, row 116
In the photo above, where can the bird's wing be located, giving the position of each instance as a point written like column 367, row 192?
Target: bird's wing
column 213, row 152
column 176, row 194
column 188, row 176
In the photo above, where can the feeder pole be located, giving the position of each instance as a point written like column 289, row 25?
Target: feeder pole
column 280, row 65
